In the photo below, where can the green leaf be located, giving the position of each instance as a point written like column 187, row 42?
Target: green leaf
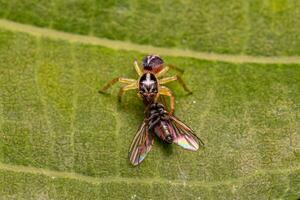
column 268, row 27
column 60, row 139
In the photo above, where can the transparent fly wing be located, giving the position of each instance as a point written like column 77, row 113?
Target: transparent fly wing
column 183, row 135
column 141, row 145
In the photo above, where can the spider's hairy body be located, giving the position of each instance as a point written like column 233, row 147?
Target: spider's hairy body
column 149, row 85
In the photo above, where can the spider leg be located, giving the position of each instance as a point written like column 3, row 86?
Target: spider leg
column 115, row 80
column 175, row 78
column 126, row 88
column 167, row 68
column 162, row 72
column 137, row 68
column 163, row 90
column 181, row 71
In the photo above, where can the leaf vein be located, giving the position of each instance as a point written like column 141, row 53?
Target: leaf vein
column 98, row 180
column 121, row 45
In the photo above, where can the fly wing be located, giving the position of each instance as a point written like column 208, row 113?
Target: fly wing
column 183, row 135
column 141, row 145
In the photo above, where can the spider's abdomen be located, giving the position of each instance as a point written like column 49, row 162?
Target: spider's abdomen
column 152, row 63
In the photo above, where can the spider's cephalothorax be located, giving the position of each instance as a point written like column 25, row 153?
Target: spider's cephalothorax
column 152, row 63
column 148, row 88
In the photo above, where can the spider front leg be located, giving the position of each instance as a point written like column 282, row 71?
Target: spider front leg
column 126, row 88
column 114, row 81
column 163, row 90
column 175, row 78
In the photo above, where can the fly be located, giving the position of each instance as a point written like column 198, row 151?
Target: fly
column 166, row 127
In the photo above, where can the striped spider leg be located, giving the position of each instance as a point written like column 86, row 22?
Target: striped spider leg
column 131, row 84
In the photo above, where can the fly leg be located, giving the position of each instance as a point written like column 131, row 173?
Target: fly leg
column 163, row 90
column 114, row 81
column 175, row 78
column 126, row 88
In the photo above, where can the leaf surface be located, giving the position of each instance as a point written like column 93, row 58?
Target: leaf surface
column 60, row 139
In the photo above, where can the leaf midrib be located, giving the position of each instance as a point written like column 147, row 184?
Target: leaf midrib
column 122, row 45
column 95, row 180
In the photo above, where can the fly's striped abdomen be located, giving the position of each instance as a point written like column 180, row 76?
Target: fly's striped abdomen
column 163, row 131
column 170, row 129
column 159, row 123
